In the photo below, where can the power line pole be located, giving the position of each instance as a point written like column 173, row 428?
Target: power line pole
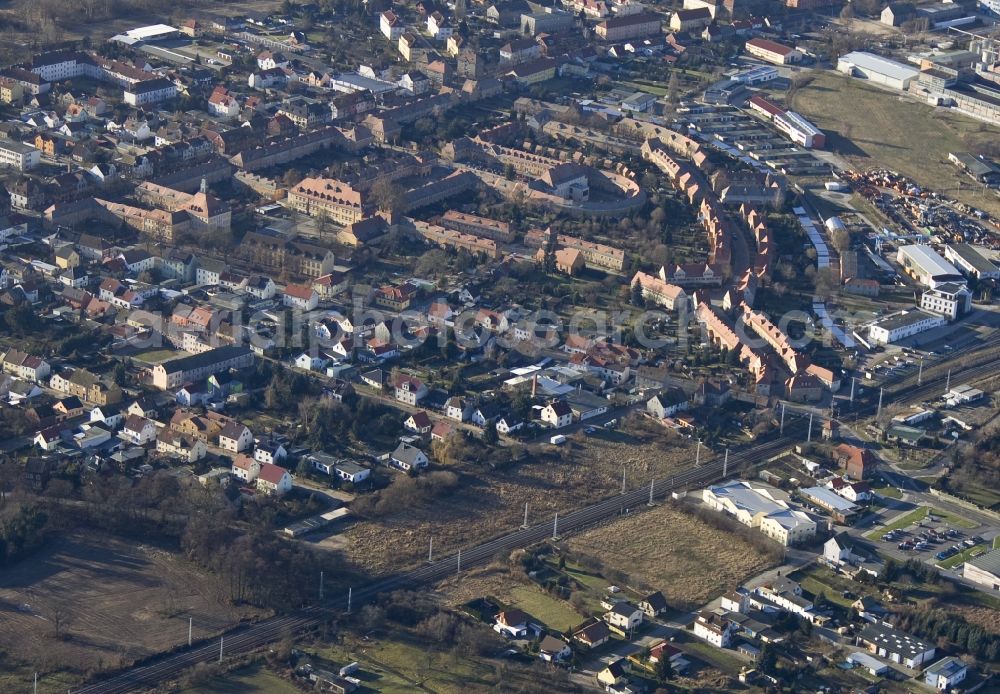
column 190, row 629
column 36, row 683
column 320, row 585
column 555, row 527
column 650, row 492
column 853, row 381
column 623, row 479
column 350, row 596
column 809, row 436
column 458, row 566
column 725, row 463
column 920, row 372
column 430, row 551
column 947, row 385
column 525, row 525
column 697, row 454
column 222, row 640
column 781, row 430
column 878, row 413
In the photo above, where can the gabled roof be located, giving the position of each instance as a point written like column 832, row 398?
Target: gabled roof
column 271, row 474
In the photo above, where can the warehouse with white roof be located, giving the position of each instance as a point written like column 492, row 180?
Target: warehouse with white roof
column 877, row 69
column 923, row 264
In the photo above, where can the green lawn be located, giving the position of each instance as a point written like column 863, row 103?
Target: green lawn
column 252, row 679
column 904, row 521
column 556, row 614
column 719, row 657
column 962, row 556
column 401, row 666
column 890, row 492
column 155, row 356
column 952, row 519
column 996, row 542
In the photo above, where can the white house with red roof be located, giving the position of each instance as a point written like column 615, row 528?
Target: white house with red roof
column 391, row 25
column 418, row 423
column 301, row 296
column 274, row 480
column 223, row 104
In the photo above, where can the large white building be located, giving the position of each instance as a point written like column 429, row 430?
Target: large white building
column 971, row 262
column 950, row 300
column 877, row 69
column 18, row 155
column 984, row 570
column 923, row 264
column 898, row 326
column 799, row 130
column 763, row 507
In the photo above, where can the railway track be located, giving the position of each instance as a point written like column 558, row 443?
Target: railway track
column 252, row 637
column 249, row 638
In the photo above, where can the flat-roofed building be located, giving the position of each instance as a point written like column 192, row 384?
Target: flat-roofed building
column 898, row 326
column 18, row 155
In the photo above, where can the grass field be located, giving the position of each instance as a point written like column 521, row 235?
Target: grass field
column 673, row 551
column 155, row 356
column 903, row 521
column 400, row 666
column 871, row 127
column 255, row 679
column 492, row 502
column 890, row 492
column 952, row 519
column 114, row 602
column 556, row 614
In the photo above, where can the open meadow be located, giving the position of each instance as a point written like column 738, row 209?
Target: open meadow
column 674, row 551
column 83, row 603
column 874, row 128
column 491, row 502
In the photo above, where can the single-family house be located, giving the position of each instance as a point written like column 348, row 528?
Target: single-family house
column 273, row 480
column 418, row 423
column 557, row 414
column 553, row 650
column 593, row 635
column 235, row 437
column 245, row 468
column 653, row 604
column 138, row 430
column 409, row 390
column 623, row 617
column 408, row 458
